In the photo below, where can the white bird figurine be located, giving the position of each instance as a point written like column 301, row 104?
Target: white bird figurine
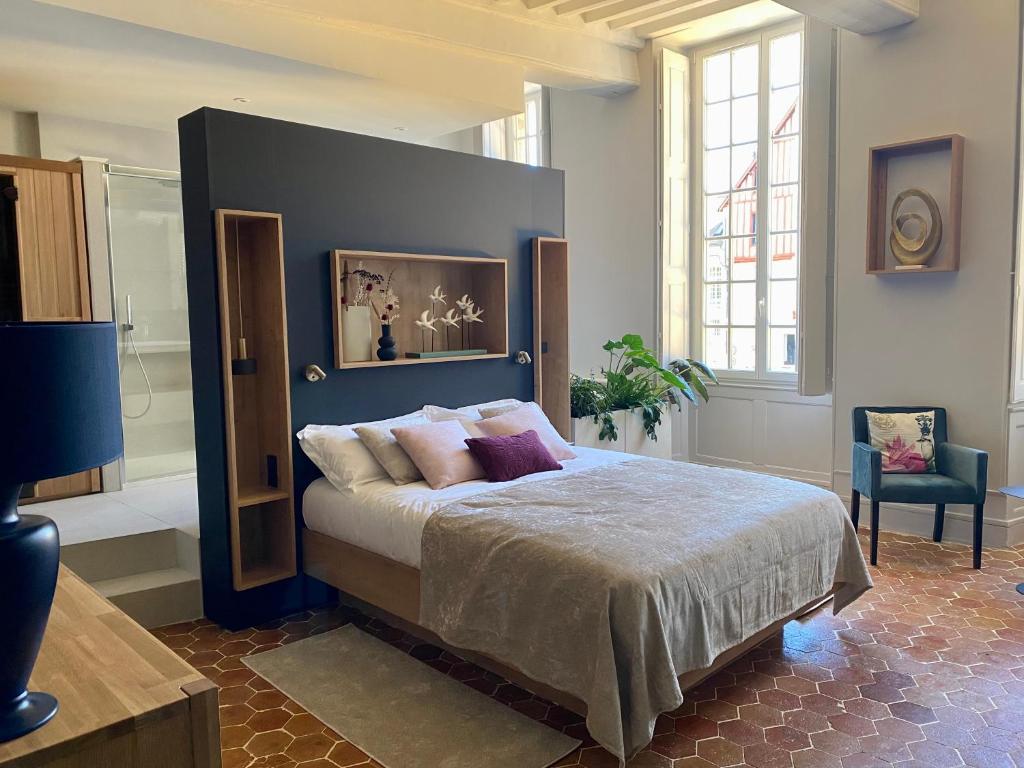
column 437, row 296
column 450, row 318
column 472, row 314
column 464, row 302
column 425, row 322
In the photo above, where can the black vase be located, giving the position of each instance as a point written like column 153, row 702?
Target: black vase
column 386, row 342
column 29, row 558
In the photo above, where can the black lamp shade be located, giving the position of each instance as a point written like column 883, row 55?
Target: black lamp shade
column 60, row 409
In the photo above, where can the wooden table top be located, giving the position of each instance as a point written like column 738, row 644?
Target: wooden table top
column 107, row 672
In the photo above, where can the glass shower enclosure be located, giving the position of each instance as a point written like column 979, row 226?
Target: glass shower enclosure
column 147, row 267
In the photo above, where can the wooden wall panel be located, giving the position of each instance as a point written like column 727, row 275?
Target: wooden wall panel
column 53, row 266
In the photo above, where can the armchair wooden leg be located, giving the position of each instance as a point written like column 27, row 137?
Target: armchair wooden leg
column 940, row 519
column 874, row 531
column 979, row 523
column 855, row 508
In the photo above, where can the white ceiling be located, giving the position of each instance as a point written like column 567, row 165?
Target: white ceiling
column 411, row 69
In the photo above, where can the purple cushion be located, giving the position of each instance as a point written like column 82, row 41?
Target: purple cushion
column 506, row 457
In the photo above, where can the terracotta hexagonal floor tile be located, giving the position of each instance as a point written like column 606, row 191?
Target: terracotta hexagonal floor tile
column 269, row 720
column 674, row 745
column 696, row 727
column 235, row 736
column 786, row 737
column 854, row 725
column 805, row 720
column 741, row 732
column 302, row 725
column 760, row 715
column 268, row 743
column 737, row 695
column 779, row 699
column 717, row 711
column 346, row 754
column 720, row 752
column 937, row 755
column 835, row 743
column 886, row 694
column 235, row 758
column 884, row 748
column 267, row 700
column 309, row 747
column 815, row 758
column 767, row 756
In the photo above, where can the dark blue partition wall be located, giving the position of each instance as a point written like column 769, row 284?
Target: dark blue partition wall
column 342, row 190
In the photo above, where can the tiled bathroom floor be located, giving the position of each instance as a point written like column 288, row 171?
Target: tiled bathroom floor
column 925, row 670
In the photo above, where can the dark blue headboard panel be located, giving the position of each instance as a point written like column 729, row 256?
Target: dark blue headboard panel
column 343, row 190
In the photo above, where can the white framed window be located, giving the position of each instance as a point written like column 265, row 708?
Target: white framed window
column 522, row 137
column 746, row 199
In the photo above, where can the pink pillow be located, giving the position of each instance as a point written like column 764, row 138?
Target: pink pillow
column 439, row 451
column 525, row 417
column 506, row 457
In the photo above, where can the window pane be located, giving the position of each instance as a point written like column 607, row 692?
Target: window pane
column 533, row 151
column 744, row 303
column 782, row 350
column 716, row 261
column 742, row 349
column 716, row 215
column 782, row 302
column 744, row 258
column 716, row 304
column 743, row 210
column 785, row 160
column 716, row 170
column 716, row 78
column 520, row 151
column 716, row 125
column 784, row 110
column 785, row 207
column 782, row 257
column 531, row 117
column 519, row 122
column 784, row 60
column 744, row 166
column 744, row 120
column 744, row 71
column 716, row 347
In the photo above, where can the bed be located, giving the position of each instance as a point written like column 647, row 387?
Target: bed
column 610, row 587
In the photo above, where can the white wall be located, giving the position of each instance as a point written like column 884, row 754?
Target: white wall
column 19, row 133
column 606, row 147
column 468, row 140
column 65, row 138
column 940, row 339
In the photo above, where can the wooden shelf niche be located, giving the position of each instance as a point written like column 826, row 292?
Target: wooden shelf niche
column 257, row 406
column 935, row 165
column 414, row 277
column 551, row 331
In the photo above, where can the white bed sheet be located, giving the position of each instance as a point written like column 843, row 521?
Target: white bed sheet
column 388, row 519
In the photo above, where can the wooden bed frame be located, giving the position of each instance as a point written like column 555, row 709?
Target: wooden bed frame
column 390, row 590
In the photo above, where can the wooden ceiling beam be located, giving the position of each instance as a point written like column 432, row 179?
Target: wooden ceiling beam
column 535, row 4
column 580, row 6
column 659, row 11
column 622, row 8
column 666, row 25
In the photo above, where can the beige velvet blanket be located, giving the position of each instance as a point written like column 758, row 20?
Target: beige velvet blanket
column 610, row 583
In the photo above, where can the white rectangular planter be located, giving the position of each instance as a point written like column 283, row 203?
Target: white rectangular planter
column 632, row 436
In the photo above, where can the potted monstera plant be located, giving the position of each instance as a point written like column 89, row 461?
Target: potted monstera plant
column 623, row 408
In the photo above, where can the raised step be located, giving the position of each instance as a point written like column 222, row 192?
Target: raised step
column 156, row 597
column 122, row 555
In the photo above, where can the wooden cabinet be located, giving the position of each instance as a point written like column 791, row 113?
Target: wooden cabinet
column 43, row 264
column 126, row 700
column 257, row 399
column 551, row 331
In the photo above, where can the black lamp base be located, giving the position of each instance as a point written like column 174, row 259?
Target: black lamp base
column 32, row 711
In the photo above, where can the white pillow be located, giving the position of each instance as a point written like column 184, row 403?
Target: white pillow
column 519, row 420
column 338, row 452
column 468, row 412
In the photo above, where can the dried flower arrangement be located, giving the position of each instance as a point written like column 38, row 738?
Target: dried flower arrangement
column 373, row 290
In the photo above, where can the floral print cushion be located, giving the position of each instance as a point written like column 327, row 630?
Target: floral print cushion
column 904, row 439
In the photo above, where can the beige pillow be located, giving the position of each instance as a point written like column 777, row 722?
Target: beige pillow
column 389, row 453
column 439, row 451
column 528, row 416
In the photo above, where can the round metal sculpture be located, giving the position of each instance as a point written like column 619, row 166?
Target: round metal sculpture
column 918, row 249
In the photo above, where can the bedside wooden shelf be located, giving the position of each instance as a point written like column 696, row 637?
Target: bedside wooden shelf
column 414, row 276
column 257, row 406
column 249, row 497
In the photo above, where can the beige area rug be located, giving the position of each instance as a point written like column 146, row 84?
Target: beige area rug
column 401, row 712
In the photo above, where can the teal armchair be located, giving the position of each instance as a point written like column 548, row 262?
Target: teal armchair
column 961, row 478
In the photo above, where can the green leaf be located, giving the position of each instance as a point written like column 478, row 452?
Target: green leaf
column 609, row 345
column 703, row 368
column 633, row 341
